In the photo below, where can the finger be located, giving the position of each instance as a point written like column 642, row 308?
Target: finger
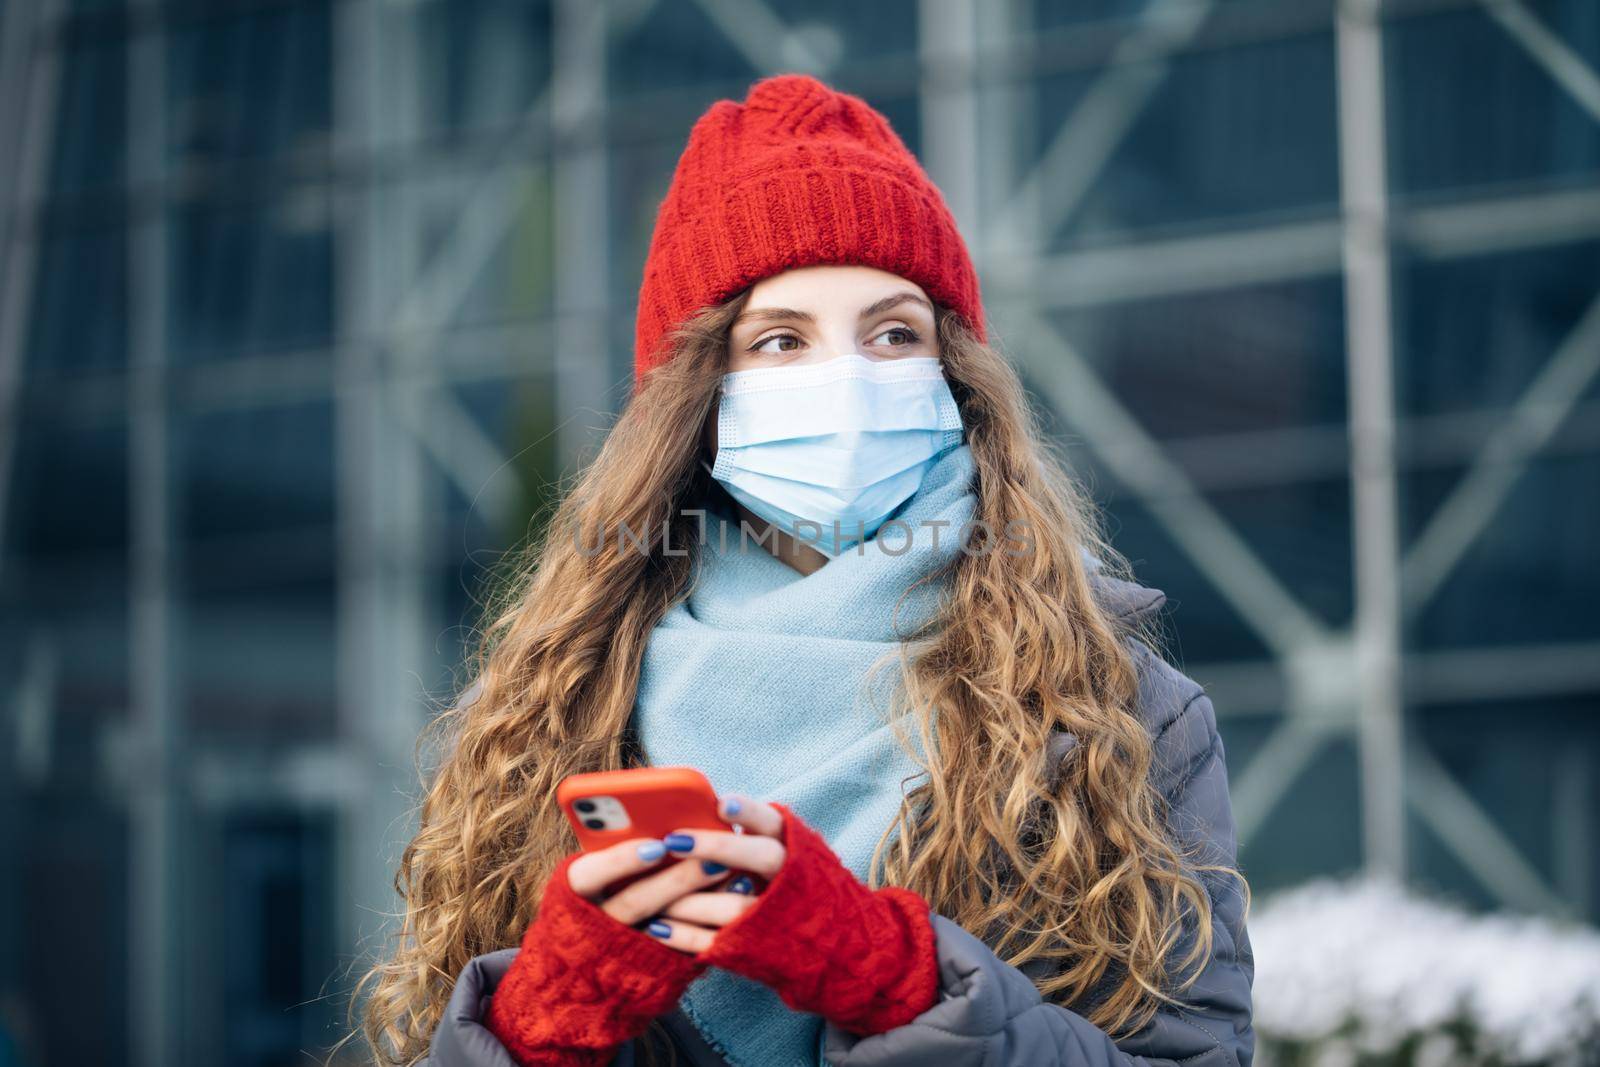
column 683, row 936
column 715, row 909
column 652, row 893
column 756, row 816
column 591, row 872
column 748, row 852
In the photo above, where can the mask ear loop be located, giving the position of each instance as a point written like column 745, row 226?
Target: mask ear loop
column 722, row 387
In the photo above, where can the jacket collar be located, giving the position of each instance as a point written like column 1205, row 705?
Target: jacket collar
column 1124, row 600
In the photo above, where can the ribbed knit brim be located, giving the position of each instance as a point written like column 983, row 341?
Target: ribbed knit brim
column 798, row 174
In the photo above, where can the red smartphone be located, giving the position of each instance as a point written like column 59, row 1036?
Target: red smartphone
column 605, row 807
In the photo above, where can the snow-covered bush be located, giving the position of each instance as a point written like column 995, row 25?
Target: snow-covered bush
column 1366, row 972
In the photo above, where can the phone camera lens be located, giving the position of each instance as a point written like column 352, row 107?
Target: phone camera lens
column 595, row 824
column 585, row 806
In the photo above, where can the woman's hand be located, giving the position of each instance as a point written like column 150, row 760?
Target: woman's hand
column 586, row 980
column 683, row 913
column 862, row 958
column 865, row 959
column 690, row 921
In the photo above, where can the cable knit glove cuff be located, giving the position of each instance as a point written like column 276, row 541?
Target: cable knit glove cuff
column 583, row 982
column 863, row 959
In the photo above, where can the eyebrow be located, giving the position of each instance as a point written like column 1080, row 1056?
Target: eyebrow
column 877, row 307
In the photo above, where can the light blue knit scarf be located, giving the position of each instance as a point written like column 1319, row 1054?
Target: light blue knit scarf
column 759, row 678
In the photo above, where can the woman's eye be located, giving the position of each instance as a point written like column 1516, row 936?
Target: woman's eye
column 761, row 346
column 911, row 336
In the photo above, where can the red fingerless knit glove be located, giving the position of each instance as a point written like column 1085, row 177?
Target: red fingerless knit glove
column 861, row 958
column 583, row 982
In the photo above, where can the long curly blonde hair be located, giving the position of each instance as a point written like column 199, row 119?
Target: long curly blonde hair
column 1075, row 864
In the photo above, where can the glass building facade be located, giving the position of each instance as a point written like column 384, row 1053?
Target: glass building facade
column 307, row 305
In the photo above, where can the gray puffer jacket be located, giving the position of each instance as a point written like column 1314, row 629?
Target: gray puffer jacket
column 989, row 1013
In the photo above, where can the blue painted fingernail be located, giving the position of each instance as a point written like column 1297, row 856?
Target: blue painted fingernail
column 679, row 842
column 660, row 929
column 731, row 805
column 652, row 850
column 713, row 867
column 741, row 884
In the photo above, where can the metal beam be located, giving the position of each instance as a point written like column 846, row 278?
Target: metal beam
column 1253, row 255
column 1102, row 119
column 505, row 352
column 1006, row 123
column 581, row 214
column 1233, row 568
column 18, row 54
column 1288, row 751
column 1363, row 183
column 1448, row 676
column 374, row 712
column 1563, row 64
column 1461, row 824
column 947, row 37
column 1534, row 419
column 1505, row 672
column 1142, row 270
column 19, row 254
column 1511, row 222
column 154, row 1011
column 472, row 460
column 572, row 104
column 1574, row 810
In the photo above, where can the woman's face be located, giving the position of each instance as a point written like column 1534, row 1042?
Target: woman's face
column 813, row 314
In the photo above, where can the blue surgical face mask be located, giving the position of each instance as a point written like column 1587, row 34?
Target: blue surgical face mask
column 827, row 451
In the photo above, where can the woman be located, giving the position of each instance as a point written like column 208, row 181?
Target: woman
column 992, row 823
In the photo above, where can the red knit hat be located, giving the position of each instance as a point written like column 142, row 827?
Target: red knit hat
column 798, row 174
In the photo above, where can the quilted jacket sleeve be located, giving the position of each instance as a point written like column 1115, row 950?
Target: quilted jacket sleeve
column 990, row 1013
column 462, row 1040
